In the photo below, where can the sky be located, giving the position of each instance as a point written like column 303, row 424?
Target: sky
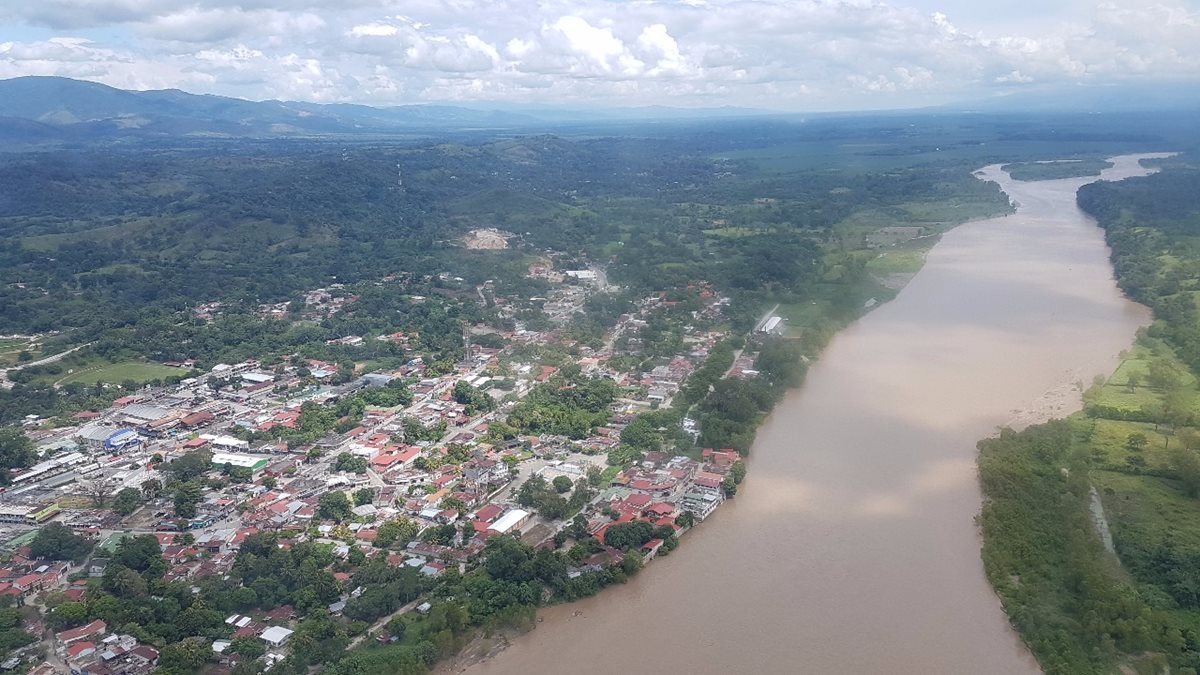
column 798, row 55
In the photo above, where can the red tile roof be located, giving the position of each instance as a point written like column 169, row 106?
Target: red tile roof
column 90, row 629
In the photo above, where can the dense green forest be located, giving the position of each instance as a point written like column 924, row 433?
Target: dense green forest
column 115, row 247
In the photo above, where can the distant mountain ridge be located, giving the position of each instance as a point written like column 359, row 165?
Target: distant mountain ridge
column 39, row 109
column 102, row 110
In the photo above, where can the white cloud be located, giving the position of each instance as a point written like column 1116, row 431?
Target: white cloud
column 784, row 53
column 374, row 29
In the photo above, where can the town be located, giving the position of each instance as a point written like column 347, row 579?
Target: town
column 530, row 435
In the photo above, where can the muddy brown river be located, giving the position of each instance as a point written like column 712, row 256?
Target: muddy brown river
column 852, row 546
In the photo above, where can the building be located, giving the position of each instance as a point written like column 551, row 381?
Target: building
column 772, row 325
column 276, row 636
column 68, row 637
column 123, row 439
column 28, row 515
column 511, row 522
column 701, row 504
column 255, row 463
column 196, row 419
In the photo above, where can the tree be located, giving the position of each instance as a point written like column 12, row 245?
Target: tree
column 629, row 535
column 127, row 501
column 685, row 519
column 151, row 488
column 561, row 484
column 56, row 541
column 363, row 496
column 1162, row 374
column 1132, row 380
column 439, row 534
column 728, row 486
column 187, row 496
column 395, row 530
column 184, row 657
column 1187, row 465
column 738, row 471
column 578, row 529
column 349, row 463
column 96, row 490
column 1136, row 442
column 141, row 554
column 16, row 450
column 190, row 466
column 251, row 648
column 334, row 506
column 125, row 583
column 68, row 615
column 1177, row 409
column 1190, row 438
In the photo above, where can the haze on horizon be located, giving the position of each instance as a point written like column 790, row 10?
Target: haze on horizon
column 800, row 55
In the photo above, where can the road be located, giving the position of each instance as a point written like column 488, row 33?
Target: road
column 375, row 627
column 50, row 359
column 7, row 384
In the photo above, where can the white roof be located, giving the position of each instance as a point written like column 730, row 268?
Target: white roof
column 247, row 461
column 226, row 441
column 145, row 411
column 95, row 432
column 276, row 634
column 509, row 520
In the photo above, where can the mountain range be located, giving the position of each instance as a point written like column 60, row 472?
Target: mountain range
column 56, row 110
column 46, row 109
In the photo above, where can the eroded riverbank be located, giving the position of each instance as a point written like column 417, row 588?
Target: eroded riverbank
column 852, row 546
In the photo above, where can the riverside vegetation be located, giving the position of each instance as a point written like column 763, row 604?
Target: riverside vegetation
column 1135, row 446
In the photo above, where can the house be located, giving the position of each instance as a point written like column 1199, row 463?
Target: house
column 711, row 481
column 68, row 637
column 395, row 457
column 144, row 655
column 650, row 549
column 81, row 650
column 285, row 613
column 276, row 636
column 488, row 513
column 721, row 458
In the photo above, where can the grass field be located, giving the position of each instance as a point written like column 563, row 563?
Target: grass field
column 1148, row 508
column 1117, row 392
column 116, row 373
column 10, row 349
column 906, row 258
column 1109, row 440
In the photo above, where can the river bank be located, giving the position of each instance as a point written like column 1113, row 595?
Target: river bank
column 1091, row 532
